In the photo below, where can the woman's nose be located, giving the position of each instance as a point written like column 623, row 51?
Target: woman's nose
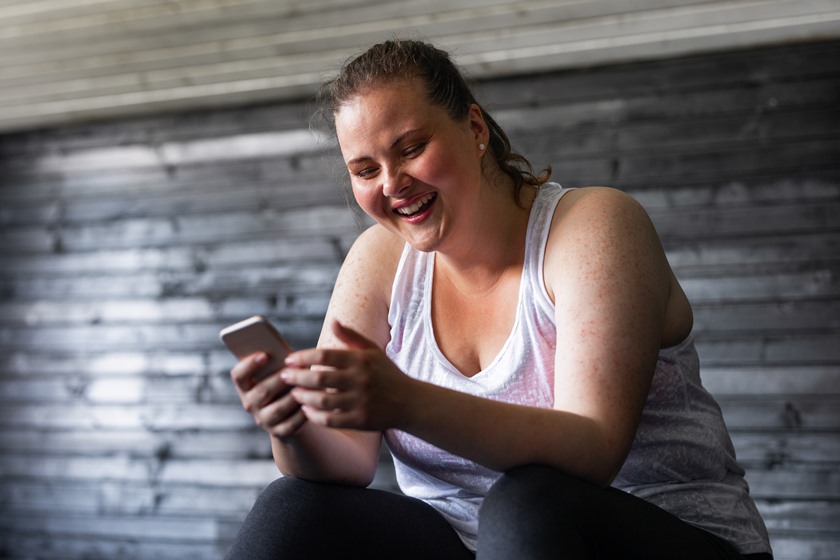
column 395, row 182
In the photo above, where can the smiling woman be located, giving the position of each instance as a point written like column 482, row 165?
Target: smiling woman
column 487, row 300
column 394, row 140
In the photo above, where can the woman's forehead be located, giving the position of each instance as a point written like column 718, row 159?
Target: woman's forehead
column 385, row 105
column 411, row 89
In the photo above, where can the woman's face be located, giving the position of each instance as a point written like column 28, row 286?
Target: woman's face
column 412, row 168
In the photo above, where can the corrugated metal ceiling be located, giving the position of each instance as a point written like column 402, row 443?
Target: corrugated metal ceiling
column 74, row 60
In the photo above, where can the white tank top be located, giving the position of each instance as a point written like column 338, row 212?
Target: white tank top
column 681, row 459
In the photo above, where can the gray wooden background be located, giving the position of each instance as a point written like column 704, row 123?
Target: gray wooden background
column 125, row 246
column 66, row 60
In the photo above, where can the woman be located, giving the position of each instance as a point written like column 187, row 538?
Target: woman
column 525, row 350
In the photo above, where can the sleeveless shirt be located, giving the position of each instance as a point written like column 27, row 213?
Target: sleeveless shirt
column 681, row 458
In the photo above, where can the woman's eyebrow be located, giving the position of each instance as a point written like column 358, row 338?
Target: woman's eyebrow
column 355, row 160
column 402, row 136
column 394, row 143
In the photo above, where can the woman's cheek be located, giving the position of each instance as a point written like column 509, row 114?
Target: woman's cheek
column 373, row 203
column 363, row 197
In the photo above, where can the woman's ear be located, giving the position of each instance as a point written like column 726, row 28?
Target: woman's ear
column 478, row 125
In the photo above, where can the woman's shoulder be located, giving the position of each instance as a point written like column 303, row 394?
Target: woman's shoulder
column 362, row 293
column 372, row 261
column 605, row 199
column 377, row 243
column 601, row 227
column 604, row 210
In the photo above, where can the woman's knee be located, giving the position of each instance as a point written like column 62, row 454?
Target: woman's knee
column 516, row 486
column 281, row 488
column 290, row 497
column 267, row 528
column 531, row 491
column 529, row 512
column 288, row 517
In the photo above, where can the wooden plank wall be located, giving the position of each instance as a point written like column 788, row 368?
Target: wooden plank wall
column 125, row 246
column 64, row 61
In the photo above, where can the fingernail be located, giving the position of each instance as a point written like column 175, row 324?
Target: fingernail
column 261, row 359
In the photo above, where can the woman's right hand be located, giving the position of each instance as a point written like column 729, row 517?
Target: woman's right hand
column 267, row 397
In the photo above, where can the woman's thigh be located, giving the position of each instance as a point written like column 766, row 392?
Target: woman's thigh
column 538, row 512
column 294, row 518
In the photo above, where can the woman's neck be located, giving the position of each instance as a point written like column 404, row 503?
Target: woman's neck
column 496, row 247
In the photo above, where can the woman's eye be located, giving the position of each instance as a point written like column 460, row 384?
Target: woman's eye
column 366, row 173
column 414, row 150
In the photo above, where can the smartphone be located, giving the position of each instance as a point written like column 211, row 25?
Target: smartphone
column 256, row 334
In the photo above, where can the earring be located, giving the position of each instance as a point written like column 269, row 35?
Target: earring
column 481, row 147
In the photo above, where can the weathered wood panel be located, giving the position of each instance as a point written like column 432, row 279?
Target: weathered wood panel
column 68, row 61
column 125, row 246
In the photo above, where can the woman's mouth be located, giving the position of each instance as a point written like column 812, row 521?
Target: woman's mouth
column 417, row 207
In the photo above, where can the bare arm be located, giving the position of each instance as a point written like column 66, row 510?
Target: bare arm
column 612, row 285
column 305, row 449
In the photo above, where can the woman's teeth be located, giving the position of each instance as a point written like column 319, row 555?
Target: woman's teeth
column 413, row 208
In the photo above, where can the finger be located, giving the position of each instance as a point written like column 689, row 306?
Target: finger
column 290, row 425
column 316, row 378
column 335, row 418
column 351, row 337
column 321, row 357
column 276, row 412
column 325, row 400
column 264, row 392
column 244, row 372
column 316, row 416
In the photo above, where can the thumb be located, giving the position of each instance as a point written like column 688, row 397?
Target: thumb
column 350, row 337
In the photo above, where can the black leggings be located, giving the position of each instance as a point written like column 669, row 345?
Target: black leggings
column 532, row 512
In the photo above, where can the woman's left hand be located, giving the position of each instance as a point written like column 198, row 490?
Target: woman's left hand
column 358, row 387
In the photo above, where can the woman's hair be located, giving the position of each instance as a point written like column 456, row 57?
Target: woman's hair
column 445, row 86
